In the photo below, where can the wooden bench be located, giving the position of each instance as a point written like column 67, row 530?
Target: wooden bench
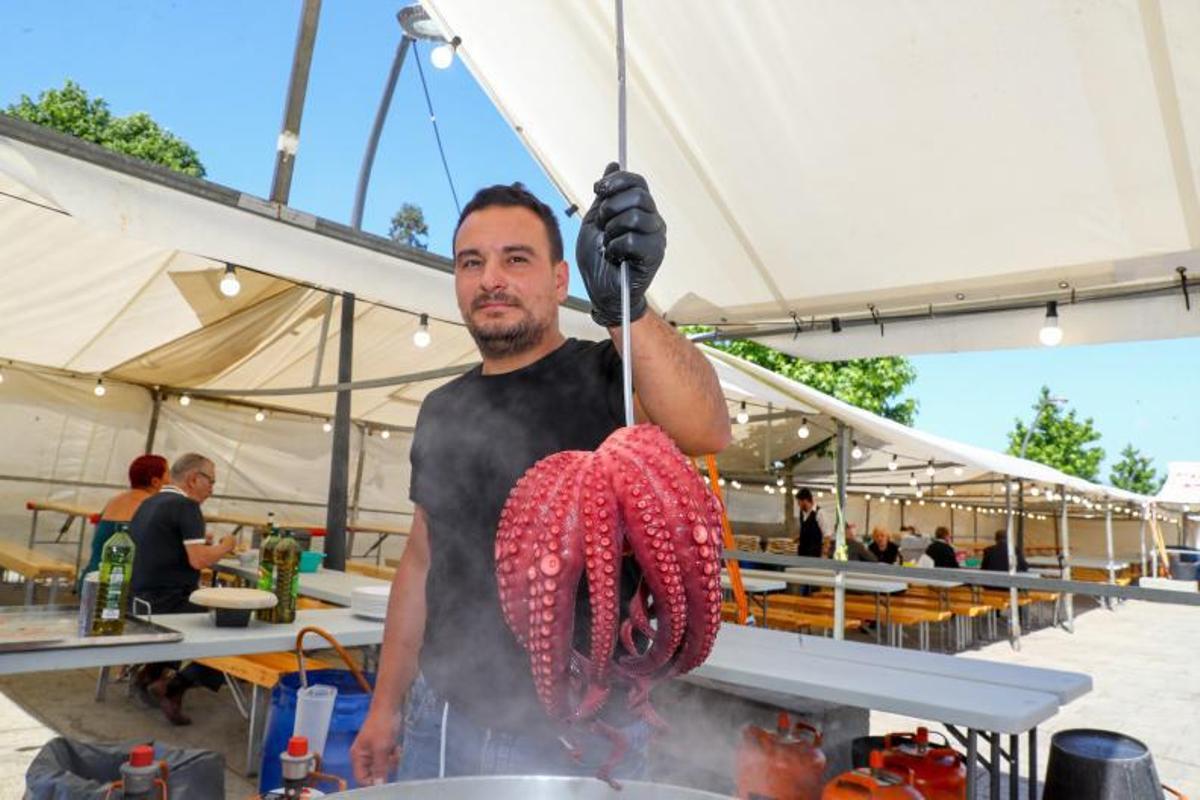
column 792, row 620
column 371, row 570
column 892, row 613
column 262, row 671
column 35, row 566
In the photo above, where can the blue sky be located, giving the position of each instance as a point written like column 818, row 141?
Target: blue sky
column 215, row 72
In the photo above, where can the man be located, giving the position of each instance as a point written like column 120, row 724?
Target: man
column 812, row 526
column 882, row 547
column 168, row 530
column 855, row 549
column 472, row 708
column 940, row 550
column 995, row 557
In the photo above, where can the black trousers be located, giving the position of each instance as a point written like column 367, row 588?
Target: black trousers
column 175, row 601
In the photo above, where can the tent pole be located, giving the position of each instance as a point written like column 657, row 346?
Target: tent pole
column 1066, row 558
column 358, row 471
column 1108, row 548
column 767, row 444
column 289, row 137
column 339, row 465
column 839, row 546
column 157, row 396
column 1142, row 541
column 1014, row 606
column 1020, row 517
column 320, row 359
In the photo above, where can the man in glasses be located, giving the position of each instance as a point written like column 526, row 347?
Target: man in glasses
column 168, row 530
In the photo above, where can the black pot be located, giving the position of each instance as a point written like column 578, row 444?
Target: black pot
column 231, row 617
column 1099, row 765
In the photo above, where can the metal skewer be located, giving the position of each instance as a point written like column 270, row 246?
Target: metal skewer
column 622, row 138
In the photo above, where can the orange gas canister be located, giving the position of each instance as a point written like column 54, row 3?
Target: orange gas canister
column 873, row 783
column 939, row 771
column 784, row 764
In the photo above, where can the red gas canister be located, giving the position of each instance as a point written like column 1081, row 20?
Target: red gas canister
column 872, row 783
column 939, row 771
column 784, row 764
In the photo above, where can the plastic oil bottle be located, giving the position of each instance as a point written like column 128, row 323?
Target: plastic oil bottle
column 116, row 572
column 266, row 565
column 287, row 578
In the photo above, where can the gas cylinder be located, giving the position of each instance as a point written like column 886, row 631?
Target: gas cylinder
column 939, row 771
column 142, row 778
column 784, row 764
column 872, row 783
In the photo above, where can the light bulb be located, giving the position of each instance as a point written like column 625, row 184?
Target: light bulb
column 260, row 415
column 795, row 492
column 1, row 376
column 930, row 470
column 185, row 400
column 1035, row 491
column 422, row 337
column 1050, row 334
column 99, row 391
column 442, row 56
column 887, row 491
column 737, row 484
column 779, row 481
column 230, row 285
column 949, row 492
column 327, row 426
column 385, row 434
column 920, row 492
column 912, row 479
column 720, row 481
column 804, row 432
column 892, row 464
column 743, row 416
column 857, row 452
column 867, row 497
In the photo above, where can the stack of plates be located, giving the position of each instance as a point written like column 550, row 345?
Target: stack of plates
column 370, row 601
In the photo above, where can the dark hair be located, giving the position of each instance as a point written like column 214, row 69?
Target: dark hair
column 804, row 494
column 942, row 532
column 516, row 195
column 1001, row 536
column 144, row 469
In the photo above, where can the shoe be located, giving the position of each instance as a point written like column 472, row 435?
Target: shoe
column 140, row 684
column 171, row 703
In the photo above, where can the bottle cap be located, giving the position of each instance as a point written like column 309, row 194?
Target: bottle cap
column 875, row 760
column 298, row 746
column 922, row 735
column 141, row 756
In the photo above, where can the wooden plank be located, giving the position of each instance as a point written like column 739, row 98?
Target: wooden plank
column 371, row 570
column 262, row 669
column 32, row 564
column 69, row 509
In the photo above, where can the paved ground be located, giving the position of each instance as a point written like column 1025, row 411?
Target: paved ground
column 1142, row 658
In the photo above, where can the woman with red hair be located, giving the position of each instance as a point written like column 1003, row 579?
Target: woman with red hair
column 147, row 474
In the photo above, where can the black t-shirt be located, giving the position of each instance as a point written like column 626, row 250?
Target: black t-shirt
column 474, row 438
column 942, row 554
column 161, row 526
column 886, row 555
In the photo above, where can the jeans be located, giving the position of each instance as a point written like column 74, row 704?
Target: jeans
column 472, row 750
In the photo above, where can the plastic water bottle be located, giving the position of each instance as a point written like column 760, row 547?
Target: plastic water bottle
column 116, row 572
column 266, row 565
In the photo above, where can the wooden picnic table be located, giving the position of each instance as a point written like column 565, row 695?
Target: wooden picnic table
column 756, row 587
column 330, row 586
column 72, row 512
column 380, row 530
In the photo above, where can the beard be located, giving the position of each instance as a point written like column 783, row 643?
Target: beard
column 500, row 340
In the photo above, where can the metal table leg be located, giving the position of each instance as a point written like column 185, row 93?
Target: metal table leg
column 29, row 589
column 1014, row 767
column 254, row 735
column 102, row 684
column 994, row 777
column 972, row 759
column 1033, row 765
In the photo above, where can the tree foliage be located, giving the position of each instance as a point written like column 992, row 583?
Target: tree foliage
column 69, row 110
column 408, row 227
column 1135, row 472
column 874, row 384
column 1060, row 439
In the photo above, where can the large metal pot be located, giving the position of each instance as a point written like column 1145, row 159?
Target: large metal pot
column 530, row 787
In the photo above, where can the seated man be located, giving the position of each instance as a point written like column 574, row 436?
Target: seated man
column 882, row 547
column 168, row 530
column 939, row 549
column 855, row 549
column 912, row 545
column 995, row 558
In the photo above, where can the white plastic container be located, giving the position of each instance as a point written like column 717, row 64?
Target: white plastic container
column 314, row 710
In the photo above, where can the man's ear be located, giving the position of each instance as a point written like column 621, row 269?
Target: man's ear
column 562, row 279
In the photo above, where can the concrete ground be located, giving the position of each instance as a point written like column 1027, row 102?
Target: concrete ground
column 1141, row 658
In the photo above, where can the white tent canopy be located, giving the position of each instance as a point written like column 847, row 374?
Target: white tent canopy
column 913, row 161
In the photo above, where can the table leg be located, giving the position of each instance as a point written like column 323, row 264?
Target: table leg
column 33, row 529
column 878, row 621
column 1014, row 767
column 1033, row 765
column 54, row 590
column 102, row 684
column 994, row 777
column 972, row 763
column 252, row 735
column 29, row 589
column 79, row 545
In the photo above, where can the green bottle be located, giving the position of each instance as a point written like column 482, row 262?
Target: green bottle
column 116, row 572
column 266, row 565
column 287, row 578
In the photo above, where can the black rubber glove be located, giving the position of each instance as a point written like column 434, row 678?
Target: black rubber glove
column 622, row 225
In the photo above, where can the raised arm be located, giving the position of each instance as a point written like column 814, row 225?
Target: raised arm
column 374, row 750
column 676, row 386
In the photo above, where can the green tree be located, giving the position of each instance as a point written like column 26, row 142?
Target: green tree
column 1135, row 472
column 874, row 384
column 69, row 110
column 408, row 227
column 1060, row 440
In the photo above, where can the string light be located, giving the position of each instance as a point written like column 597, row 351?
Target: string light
column 929, row 470
column 779, row 481
column 185, row 399
column 230, row 286
column 720, row 481
column 422, row 337
column 920, row 492
column 857, row 452
column 99, row 391
column 1050, row 334
column 887, row 490
column 949, row 492
column 385, row 434
column 867, row 497
column 743, row 416
column 1, row 376
column 804, row 432
column 912, row 479
column 737, row 484
column 327, row 426
column 892, row 465
column 260, row 415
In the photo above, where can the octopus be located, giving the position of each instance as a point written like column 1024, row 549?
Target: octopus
column 573, row 517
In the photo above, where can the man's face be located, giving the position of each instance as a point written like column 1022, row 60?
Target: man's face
column 880, row 538
column 851, row 531
column 507, row 286
column 199, row 482
column 806, row 505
